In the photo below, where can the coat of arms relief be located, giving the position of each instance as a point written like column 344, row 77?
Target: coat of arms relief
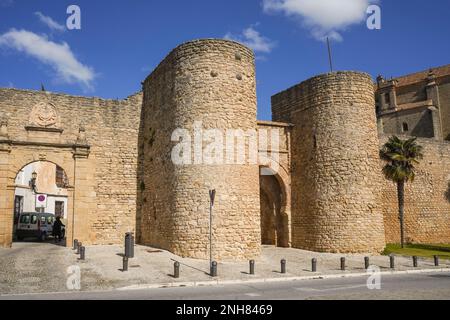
column 44, row 115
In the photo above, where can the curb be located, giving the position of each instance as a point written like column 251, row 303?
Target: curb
column 217, row 282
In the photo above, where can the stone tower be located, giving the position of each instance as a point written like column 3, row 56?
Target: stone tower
column 203, row 84
column 335, row 163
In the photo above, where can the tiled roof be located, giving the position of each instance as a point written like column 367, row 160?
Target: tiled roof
column 420, row 76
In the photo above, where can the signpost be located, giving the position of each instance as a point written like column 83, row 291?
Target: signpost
column 212, row 196
column 41, row 202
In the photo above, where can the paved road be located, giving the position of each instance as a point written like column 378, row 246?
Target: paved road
column 419, row 286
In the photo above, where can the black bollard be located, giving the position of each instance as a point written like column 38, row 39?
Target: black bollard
column 252, row 267
column 75, row 244
column 283, row 266
column 366, row 262
column 79, row 247
column 343, row 264
column 436, row 261
column 176, row 270
column 213, row 272
column 82, row 253
column 125, row 264
column 314, row 265
column 392, row 261
column 415, row 264
column 129, row 245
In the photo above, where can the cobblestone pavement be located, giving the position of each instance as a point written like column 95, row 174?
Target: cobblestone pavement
column 42, row 267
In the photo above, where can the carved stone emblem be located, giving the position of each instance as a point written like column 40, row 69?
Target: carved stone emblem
column 44, row 115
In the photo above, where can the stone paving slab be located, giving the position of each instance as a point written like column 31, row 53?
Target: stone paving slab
column 29, row 268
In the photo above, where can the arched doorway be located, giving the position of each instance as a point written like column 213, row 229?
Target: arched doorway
column 41, row 187
column 274, row 218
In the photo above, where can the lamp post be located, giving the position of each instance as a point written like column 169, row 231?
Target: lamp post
column 212, row 196
column 33, row 181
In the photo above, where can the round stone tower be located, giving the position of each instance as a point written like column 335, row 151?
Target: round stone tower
column 201, row 85
column 335, row 160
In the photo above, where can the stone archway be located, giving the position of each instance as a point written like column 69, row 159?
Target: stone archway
column 71, row 158
column 51, row 183
column 275, row 213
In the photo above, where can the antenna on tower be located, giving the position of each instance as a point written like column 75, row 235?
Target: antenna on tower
column 329, row 54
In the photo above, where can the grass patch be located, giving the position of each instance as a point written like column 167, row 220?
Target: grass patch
column 420, row 250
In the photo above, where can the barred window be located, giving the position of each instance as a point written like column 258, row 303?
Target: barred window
column 61, row 178
column 59, row 209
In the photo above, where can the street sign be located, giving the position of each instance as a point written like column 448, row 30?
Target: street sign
column 41, row 201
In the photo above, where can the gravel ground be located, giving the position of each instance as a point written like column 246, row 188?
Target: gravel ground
column 42, row 267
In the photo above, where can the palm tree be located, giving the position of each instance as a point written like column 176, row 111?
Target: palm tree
column 401, row 157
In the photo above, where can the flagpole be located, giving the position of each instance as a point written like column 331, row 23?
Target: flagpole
column 329, row 54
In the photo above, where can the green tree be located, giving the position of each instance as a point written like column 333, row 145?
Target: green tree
column 401, row 157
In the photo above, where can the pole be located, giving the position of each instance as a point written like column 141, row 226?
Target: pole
column 210, row 232
column 329, row 54
column 212, row 195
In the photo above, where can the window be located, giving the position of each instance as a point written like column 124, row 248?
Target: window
column 25, row 219
column 61, row 179
column 59, row 209
column 387, row 98
column 34, row 219
column 18, row 208
column 405, row 127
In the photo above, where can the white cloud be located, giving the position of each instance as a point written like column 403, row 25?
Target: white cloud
column 49, row 22
column 324, row 18
column 57, row 55
column 253, row 39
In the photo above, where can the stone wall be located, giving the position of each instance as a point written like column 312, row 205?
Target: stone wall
column 213, row 82
column 444, row 100
column 419, row 121
column 334, row 152
column 427, row 199
column 93, row 140
column 275, row 183
column 412, row 93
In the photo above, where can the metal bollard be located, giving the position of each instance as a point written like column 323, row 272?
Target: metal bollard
column 252, row 267
column 82, row 253
column 79, row 247
column 213, row 269
column 436, row 261
column 283, row 266
column 392, row 261
column 343, row 263
column 176, row 270
column 366, row 262
column 75, row 244
column 314, row 265
column 129, row 245
column 415, row 264
column 125, row 264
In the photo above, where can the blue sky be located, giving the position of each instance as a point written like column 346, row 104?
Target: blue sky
column 120, row 42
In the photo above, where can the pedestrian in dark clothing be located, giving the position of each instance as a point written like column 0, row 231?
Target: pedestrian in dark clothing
column 57, row 229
